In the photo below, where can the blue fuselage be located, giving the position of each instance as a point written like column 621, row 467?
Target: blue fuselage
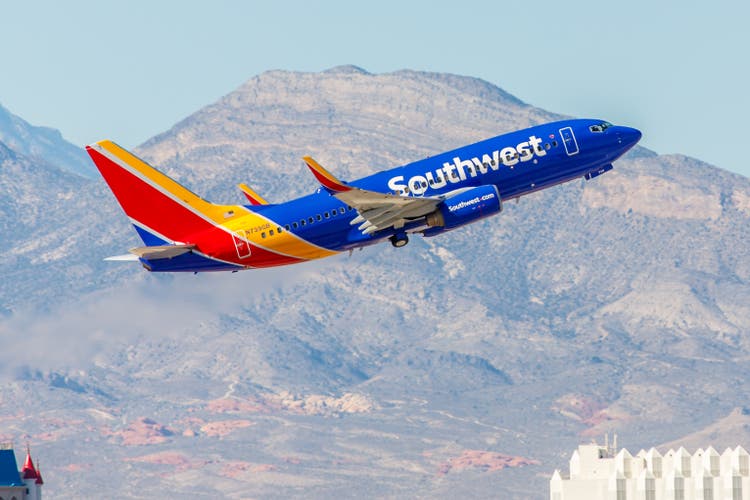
column 517, row 163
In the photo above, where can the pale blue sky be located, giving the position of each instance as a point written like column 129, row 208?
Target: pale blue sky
column 679, row 71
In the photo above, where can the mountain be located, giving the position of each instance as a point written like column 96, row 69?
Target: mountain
column 350, row 120
column 55, row 232
column 723, row 433
column 43, row 143
column 466, row 365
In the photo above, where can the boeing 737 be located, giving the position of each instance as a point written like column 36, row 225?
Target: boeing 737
column 183, row 232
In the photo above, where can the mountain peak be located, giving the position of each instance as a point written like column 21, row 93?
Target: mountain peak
column 44, row 143
column 347, row 69
column 294, row 107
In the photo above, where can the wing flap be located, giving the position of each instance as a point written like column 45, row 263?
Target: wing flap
column 368, row 200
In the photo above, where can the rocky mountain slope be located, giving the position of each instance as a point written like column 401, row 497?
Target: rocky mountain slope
column 43, row 143
column 470, row 364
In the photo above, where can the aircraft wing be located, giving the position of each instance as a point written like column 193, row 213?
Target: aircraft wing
column 377, row 211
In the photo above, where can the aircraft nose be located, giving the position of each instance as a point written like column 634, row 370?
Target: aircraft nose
column 628, row 136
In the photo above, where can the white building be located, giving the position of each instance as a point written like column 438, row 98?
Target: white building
column 603, row 473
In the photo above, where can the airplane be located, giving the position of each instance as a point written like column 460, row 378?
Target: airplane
column 185, row 233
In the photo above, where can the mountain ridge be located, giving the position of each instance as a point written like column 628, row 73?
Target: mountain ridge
column 45, row 143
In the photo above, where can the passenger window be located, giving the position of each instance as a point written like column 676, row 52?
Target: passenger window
column 303, row 222
column 263, row 234
column 295, row 225
column 278, row 230
column 310, row 220
column 341, row 210
column 270, row 232
column 333, row 213
column 547, row 146
column 287, row 227
column 318, row 217
column 554, row 144
column 327, row 215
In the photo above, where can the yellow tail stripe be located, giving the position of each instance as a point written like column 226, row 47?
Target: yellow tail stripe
column 252, row 226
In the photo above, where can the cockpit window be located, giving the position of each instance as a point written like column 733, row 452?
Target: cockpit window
column 600, row 127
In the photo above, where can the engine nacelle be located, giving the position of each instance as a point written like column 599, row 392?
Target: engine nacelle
column 466, row 206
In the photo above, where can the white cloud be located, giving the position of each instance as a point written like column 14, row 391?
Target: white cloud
column 157, row 306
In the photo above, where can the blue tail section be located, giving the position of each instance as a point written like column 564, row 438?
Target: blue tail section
column 149, row 238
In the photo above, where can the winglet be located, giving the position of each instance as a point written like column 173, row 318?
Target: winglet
column 252, row 196
column 325, row 177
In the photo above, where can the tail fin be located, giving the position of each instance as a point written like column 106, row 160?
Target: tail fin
column 162, row 210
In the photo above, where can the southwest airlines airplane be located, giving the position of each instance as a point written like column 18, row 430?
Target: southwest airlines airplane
column 183, row 232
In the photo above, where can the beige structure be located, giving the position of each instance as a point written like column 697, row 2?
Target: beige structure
column 603, row 473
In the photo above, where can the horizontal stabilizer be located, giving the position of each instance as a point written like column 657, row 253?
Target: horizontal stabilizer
column 128, row 257
column 161, row 252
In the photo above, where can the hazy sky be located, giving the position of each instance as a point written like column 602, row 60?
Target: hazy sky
column 679, row 71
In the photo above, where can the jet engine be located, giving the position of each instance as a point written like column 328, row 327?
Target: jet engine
column 464, row 207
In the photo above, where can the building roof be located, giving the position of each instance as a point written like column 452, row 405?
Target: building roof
column 9, row 469
column 29, row 471
column 39, row 479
